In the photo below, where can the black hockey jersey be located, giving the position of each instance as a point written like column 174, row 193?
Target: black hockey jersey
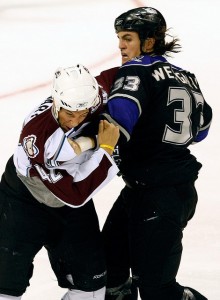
column 161, row 111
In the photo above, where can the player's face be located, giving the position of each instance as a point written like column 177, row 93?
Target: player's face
column 70, row 119
column 129, row 44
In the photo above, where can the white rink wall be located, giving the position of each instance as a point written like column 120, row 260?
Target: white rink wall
column 37, row 36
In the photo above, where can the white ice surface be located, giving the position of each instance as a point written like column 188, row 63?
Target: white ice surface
column 38, row 36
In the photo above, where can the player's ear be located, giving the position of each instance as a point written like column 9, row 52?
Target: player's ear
column 148, row 45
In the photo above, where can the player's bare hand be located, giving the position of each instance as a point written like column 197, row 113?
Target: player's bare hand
column 75, row 146
column 108, row 135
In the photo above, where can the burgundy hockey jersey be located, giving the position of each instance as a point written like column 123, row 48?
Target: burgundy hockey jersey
column 44, row 154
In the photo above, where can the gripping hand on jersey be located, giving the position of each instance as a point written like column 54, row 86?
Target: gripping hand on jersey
column 108, row 136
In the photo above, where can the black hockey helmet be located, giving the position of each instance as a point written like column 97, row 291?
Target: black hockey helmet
column 146, row 21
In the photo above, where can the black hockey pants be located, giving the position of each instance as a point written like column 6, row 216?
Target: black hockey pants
column 70, row 235
column 144, row 231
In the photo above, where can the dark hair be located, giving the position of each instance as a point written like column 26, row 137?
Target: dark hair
column 163, row 47
column 148, row 22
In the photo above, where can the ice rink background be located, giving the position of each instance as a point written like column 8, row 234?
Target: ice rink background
column 38, row 36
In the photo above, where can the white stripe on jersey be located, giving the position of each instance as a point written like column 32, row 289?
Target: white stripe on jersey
column 44, row 151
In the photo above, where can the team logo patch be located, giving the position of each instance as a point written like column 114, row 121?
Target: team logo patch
column 29, row 146
column 138, row 58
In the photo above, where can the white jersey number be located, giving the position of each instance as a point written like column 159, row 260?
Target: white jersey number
column 130, row 83
column 51, row 177
column 181, row 116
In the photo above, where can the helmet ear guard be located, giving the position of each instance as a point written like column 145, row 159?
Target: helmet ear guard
column 74, row 89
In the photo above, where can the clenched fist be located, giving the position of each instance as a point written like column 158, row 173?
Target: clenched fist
column 108, row 136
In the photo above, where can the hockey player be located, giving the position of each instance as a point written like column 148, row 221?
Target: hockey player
column 161, row 111
column 46, row 190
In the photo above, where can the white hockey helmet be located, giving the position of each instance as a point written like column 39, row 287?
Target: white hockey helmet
column 74, row 89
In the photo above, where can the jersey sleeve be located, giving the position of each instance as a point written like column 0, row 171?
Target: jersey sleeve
column 106, row 79
column 205, row 123
column 44, row 152
column 76, row 181
column 126, row 100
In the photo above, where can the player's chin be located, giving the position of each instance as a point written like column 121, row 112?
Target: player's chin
column 65, row 128
column 125, row 59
